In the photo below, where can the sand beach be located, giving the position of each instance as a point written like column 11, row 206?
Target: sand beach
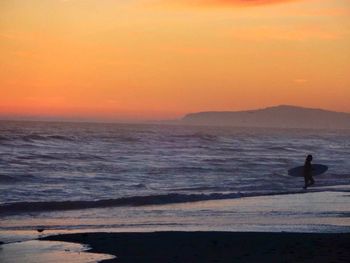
column 216, row 246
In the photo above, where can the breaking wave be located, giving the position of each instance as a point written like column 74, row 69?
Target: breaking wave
column 126, row 201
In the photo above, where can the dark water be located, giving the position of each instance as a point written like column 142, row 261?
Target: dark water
column 77, row 165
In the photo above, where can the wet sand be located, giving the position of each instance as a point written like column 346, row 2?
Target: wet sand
column 34, row 251
column 216, row 246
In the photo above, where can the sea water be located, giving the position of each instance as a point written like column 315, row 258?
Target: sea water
column 76, row 176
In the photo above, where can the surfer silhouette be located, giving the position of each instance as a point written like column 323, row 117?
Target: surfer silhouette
column 309, row 180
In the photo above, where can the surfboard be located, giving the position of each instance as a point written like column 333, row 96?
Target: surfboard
column 317, row 169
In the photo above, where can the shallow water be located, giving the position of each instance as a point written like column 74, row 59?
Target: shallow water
column 35, row 251
column 309, row 212
column 314, row 212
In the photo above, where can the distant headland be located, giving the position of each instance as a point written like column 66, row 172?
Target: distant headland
column 282, row 116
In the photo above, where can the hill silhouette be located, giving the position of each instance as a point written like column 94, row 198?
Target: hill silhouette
column 283, row 116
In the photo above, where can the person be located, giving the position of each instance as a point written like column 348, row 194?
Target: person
column 309, row 180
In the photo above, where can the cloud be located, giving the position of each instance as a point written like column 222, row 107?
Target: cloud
column 300, row 81
column 236, row 2
column 248, row 2
column 285, row 33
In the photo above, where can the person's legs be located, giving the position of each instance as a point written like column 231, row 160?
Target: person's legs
column 312, row 181
column 306, row 182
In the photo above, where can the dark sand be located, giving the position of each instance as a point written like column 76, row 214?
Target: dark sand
column 216, row 246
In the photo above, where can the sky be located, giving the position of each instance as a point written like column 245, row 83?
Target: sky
column 161, row 59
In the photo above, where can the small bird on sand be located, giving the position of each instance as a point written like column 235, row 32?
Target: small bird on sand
column 40, row 230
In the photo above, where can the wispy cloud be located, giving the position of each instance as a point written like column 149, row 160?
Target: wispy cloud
column 246, row 2
column 284, row 33
column 235, row 2
column 300, row 81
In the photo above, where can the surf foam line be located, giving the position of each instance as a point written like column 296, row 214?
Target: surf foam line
column 23, row 207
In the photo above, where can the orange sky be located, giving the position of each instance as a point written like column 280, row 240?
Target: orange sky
column 156, row 59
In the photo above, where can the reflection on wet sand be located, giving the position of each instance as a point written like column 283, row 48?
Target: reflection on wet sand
column 35, row 251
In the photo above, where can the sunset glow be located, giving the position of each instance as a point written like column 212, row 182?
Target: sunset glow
column 160, row 59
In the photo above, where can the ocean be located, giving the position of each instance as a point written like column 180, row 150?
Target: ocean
column 74, row 176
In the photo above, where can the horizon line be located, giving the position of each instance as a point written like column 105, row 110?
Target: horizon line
column 91, row 119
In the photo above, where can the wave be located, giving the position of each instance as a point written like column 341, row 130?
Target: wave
column 197, row 135
column 35, row 137
column 3, row 138
column 56, row 138
column 38, row 137
column 7, row 178
column 15, row 178
column 22, row 207
column 282, row 149
column 63, row 157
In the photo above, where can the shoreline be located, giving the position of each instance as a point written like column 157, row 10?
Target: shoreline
column 179, row 246
column 311, row 212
